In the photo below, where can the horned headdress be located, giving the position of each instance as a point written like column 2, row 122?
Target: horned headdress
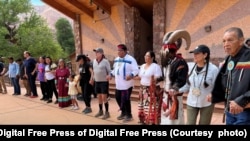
column 172, row 41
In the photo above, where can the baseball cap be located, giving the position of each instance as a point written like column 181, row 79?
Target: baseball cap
column 100, row 50
column 201, row 48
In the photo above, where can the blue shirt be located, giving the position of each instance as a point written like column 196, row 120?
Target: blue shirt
column 30, row 65
column 13, row 70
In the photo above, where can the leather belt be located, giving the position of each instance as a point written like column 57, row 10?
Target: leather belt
column 144, row 87
column 60, row 78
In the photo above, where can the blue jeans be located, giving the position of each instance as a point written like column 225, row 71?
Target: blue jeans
column 15, row 82
column 242, row 118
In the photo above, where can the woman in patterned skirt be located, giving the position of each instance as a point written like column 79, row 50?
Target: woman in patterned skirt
column 149, row 102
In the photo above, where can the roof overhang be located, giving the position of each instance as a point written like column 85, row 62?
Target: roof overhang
column 72, row 7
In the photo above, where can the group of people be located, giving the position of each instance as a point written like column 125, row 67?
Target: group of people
column 156, row 101
column 53, row 78
column 205, row 84
column 162, row 85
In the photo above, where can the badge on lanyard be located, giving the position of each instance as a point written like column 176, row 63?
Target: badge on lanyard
column 196, row 92
column 230, row 65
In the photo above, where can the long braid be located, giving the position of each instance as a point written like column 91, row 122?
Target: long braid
column 205, row 83
column 191, row 73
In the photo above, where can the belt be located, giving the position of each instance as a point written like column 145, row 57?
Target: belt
column 144, row 87
column 61, row 78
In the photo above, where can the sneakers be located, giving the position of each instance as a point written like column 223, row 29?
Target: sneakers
column 83, row 111
column 100, row 113
column 49, row 101
column 15, row 94
column 127, row 119
column 45, row 99
column 27, row 94
column 121, row 117
column 74, row 108
column 106, row 115
column 87, row 110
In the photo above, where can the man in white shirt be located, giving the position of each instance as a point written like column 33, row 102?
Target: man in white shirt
column 124, row 69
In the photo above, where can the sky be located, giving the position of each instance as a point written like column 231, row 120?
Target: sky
column 37, row 2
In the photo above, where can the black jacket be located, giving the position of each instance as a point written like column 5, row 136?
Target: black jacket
column 178, row 73
column 240, row 84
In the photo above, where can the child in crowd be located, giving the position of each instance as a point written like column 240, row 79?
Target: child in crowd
column 73, row 91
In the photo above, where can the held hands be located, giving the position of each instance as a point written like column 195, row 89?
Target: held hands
column 209, row 98
column 234, row 108
column 108, row 77
column 172, row 92
column 91, row 82
column 129, row 77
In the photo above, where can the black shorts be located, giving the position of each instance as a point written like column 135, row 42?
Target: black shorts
column 101, row 87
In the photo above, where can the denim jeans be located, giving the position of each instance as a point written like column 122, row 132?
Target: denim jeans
column 242, row 118
column 15, row 82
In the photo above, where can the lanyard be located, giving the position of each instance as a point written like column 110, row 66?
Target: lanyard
column 230, row 67
column 194, row 75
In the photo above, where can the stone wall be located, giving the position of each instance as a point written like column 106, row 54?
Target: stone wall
column 159, row 18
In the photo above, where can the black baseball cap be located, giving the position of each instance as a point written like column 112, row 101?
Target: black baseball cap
column 201, row 48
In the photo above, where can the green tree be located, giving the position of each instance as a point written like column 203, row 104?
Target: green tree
column 38, row 38
column 11, row 9
column 33, row 33
column 65, row 35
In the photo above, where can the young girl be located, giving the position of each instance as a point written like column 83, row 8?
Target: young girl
column 73, row 91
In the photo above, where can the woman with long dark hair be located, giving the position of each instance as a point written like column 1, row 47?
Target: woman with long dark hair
column 200, row 83
column 86, row 81
column 50, row 79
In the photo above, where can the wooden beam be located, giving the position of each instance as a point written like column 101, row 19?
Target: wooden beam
column 81, row 7
column 60, row 8
column 103, row 5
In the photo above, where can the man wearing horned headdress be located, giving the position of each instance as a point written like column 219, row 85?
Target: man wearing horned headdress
column 175, row 71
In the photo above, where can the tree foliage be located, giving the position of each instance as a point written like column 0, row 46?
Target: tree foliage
column 65, row 35
column 33, row 33
column 11, row 9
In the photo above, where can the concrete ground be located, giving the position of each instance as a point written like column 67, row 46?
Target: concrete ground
column 22, row 110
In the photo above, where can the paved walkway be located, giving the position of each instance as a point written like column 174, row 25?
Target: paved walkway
column 21, row 110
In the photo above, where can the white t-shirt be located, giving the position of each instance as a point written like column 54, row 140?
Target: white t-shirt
column 49, row 75
column 145, row 74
